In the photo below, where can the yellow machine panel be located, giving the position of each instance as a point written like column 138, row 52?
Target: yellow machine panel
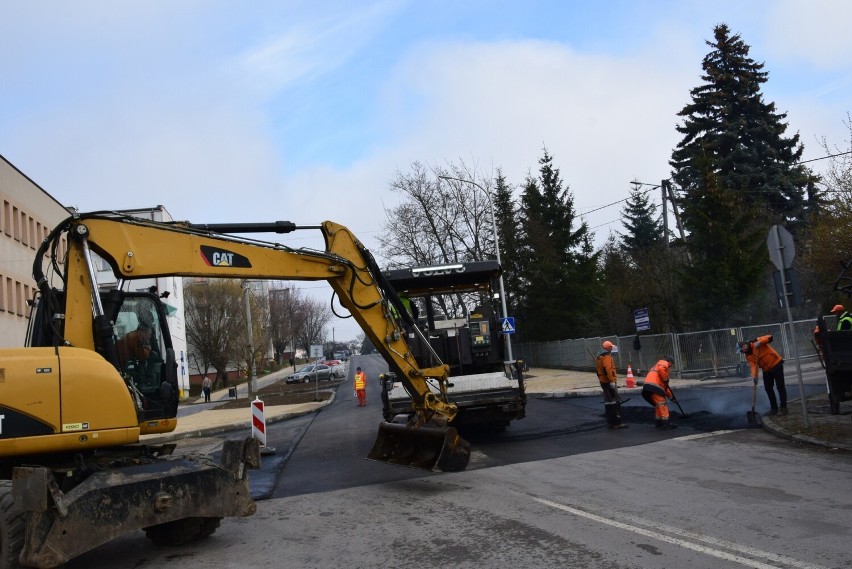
column 29, row 392
column 51, row 403
column 94, row 395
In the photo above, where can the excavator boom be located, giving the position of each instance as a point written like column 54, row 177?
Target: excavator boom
column 77, row 399
column 137, row 248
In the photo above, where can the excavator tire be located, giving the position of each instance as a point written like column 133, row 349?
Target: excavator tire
column 180, row 532
column 12, row 526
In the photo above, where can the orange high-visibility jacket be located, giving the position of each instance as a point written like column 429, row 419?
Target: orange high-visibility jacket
column 605, row 367
column 360, row 380
column 762, row 355
column 657, row 380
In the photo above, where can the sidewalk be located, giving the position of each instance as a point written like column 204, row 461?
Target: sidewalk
column 833, row 431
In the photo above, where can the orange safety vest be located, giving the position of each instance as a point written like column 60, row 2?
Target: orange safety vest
column 360, row 381
column 605, row 367
column 657, row 380
column 763, row 356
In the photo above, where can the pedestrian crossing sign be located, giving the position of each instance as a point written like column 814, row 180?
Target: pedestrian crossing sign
column 507, row 325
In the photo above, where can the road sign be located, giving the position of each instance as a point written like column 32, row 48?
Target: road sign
column 643, row 321
column 507, row 325
column 781, row 247
column 316, row 350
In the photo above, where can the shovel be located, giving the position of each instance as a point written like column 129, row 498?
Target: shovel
column 674, row 398
column 751, row 415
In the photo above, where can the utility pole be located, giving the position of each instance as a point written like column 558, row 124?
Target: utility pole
column 509, row 355
column 665, row 214
column 667, row 188
column 250, row 335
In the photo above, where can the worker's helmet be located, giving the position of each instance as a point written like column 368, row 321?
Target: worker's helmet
column 838, row 308
column 669, row 359
column 608, row 346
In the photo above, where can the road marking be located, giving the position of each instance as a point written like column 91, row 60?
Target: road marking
column 660, row 532
column 704, row 435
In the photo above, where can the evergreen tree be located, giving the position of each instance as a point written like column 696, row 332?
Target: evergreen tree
column 729, row 126
column 505, row 211
column 644, row 227
column 556, row 260
column 737, row 175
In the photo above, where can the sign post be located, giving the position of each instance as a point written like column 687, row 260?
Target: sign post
column 781, row 252
column 642, row 319
column 507, row 325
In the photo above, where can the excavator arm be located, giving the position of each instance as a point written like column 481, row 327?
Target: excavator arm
column 137, row 248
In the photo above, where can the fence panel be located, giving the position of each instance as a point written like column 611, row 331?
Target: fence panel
column 803, row 336
column 651, row 349
column 711, row 351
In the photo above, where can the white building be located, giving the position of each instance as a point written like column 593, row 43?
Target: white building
column 29, row 214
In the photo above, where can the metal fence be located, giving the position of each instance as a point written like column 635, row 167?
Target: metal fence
column 711, row 353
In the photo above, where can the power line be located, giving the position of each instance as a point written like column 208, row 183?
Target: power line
column 825, row 157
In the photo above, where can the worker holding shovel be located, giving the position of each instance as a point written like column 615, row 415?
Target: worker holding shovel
column 761, row 356
column 656, row 390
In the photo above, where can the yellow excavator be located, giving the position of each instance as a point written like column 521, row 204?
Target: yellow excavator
column 99, row 371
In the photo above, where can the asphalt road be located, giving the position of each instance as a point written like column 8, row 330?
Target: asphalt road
column 556, row 489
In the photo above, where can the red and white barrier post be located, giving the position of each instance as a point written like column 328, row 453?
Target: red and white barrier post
column 258, row 421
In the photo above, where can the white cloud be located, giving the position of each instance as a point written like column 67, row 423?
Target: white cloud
column 816, row 32
column 129, row 105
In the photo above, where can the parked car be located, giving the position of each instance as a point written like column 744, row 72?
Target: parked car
column 310, row 372
column 336, row 366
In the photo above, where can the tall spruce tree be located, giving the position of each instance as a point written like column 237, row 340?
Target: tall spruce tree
column 644, row 229
column 556, row 259
column 737, row 175
column 729, row 127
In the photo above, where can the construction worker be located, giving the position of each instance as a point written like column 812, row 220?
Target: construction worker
column 361, row 387
column 844, row 319
column 605, row 368
column 656, row 390
column 135, row 345
column 760, row 355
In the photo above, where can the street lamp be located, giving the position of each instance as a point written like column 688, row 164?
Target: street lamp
column 497, row 247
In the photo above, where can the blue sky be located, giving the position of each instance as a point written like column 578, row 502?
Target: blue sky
column 228, row 111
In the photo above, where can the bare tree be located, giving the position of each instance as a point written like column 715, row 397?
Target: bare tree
column 439, row 221
column 253, row 348
column 285, row 318
column 828, row 243
column 213, row 311
column 314, row 317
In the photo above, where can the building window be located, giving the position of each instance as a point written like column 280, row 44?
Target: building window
column 10, row 294
column 19, row 298
column 7, row 218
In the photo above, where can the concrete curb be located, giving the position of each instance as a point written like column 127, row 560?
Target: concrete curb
column 219, row 429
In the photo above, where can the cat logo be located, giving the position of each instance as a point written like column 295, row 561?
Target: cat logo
column 215, row 257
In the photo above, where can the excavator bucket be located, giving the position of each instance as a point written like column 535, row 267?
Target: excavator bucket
column 429, row 448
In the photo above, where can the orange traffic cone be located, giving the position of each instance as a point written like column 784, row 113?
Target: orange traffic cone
column 631, row 381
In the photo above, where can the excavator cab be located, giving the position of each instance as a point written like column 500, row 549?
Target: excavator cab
column 145, row 357
column 138, row 345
